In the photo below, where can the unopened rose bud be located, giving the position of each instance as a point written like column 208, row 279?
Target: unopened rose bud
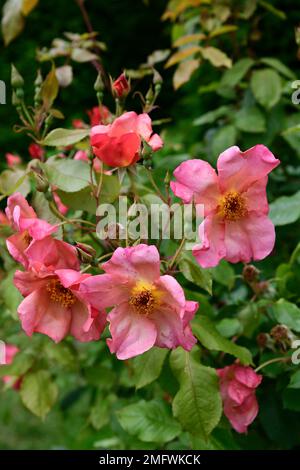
column 36, row 151
column 262, row 340
column 16, row 78
column 121, row 86
column 99, row 85
column 86, row 253
column 250, row 273
column 42, row 184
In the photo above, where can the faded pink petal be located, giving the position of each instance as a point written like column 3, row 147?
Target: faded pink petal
column 140, row 262
column 250, row 238
column 52, row 253
column 212, row 248
column 197, row 180
column 38, row 314
column 102, row 291
column 132, row 334
column 239, row 170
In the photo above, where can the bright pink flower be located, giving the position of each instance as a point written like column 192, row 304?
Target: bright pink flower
column 237, row 386
column 81, row 155
column 27, row 225
column 98, row 115
column 36, row 151
column 236, row 225
column 119, row 144
column 12, row 160
column 78, row 124
column 10, row 351
column 53, row 304
column 120, row 86
column 148, row 309
column 63, row 209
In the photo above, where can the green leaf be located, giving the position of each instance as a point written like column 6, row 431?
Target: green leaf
column 68, row 175
column 212, row 116
column 100, row 412
column 197, row 405
column 21, row 364
column 38, row 393
column 250, row 119
column 222, row 139
column 12, row 20
column 268, row 6
column 224, row 274
column 184, row 72
column 234, row 75
column 193, row 272
column 49, row 89
column 9, row 294
column 149, row 421
column 285, row 210
column 211, row 339
column 64, row 137
column 287, row 313
column 279, row 66
column 216, row 57
column 295, row 380
column 229, row 327
column 148, row 366
column 266, row 87
column 13, row 180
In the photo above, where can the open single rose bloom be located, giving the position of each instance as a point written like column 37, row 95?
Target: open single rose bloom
column 236, row 224
column 119, row 144
column 53, row 305
column 237, row 386
column 27, row 225
column 148, row 309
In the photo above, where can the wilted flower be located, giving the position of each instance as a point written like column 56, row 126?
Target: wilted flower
column 237, row 386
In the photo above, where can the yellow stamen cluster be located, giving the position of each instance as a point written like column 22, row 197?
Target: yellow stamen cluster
column 232, row 206
column 60, row 294
column 26, row 238
column 144, row 298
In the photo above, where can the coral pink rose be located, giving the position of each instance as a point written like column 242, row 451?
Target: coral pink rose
column 10, row 351
column 63, row 209
column 98, row 115
column 12, row 160
column 3, row 219
column 36, row 151
column 53, row 304
column 236, row 225
column 28, row 226
column 119, row 144
column 237, row 386
column 120, row 86
column 148, row 309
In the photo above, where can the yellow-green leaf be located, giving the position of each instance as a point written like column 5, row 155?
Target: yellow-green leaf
column 184, row 72
column 181, row 55
column 216, row 57
column 28, row 6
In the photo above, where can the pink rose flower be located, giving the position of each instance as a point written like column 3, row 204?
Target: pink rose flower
column 119, row 144
column 237, row 387
column 10, row 351
column 98, row 115
column 12, row 160
column 63, row 209
column 236, row 224
column 120, row 86
column 27, row 225
column 78, row 124
column 148, row 309
column 36, row 151
column 53, row 304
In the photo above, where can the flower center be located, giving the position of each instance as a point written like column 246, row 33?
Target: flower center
column 144, row 297
column 232, row 206
column 60, row 294
column 26, row 238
